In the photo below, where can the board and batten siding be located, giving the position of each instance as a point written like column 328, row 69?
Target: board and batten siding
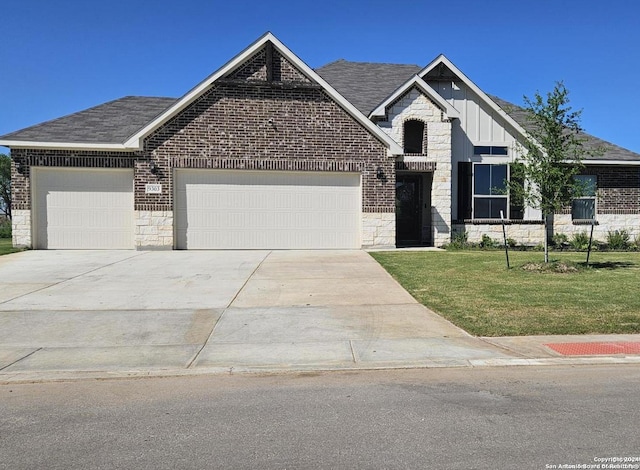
column 478, row 125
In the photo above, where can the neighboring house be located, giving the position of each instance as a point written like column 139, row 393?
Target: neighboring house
column 268, row 153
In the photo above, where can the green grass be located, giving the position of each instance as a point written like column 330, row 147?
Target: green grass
column 6, row 247
column 475, row 291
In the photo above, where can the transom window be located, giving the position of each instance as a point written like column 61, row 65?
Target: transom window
column 490, row 150
column 584, row 207
column 489, row 191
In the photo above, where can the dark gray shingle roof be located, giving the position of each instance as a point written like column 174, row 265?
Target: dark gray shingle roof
column 611, row 151
column 108, row 123
column 366, row 84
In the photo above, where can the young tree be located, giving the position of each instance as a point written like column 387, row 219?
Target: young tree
column 5, row 185
column 550, row 157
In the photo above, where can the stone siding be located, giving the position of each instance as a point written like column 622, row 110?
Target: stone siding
column 153, row 230
column 21, row 228
column 524, row 234
column 414, row 105
column 562, row 223
column 378, row 229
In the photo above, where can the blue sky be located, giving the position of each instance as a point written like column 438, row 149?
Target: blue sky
column 62, row 56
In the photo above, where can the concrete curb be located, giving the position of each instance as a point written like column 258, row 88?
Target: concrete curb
column 72, row 376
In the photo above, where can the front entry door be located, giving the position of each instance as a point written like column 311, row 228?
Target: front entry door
column 408, row 209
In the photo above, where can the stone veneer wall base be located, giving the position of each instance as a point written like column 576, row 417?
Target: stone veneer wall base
column 378, row 229
column 524, row 234
column 154, row 230
column 21, row 228
column 562, row 223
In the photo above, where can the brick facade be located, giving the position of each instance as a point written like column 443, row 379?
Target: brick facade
column 271, row 126
column 617, row 208
column 266, row 116
column 618, row 189
column 27, row 158
column 255, row 69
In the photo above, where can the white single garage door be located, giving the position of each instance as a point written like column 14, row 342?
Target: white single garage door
column 218, row 209
column 83, row 208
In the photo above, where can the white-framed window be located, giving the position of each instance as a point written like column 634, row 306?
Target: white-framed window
column 584, row 207
column 490, row 194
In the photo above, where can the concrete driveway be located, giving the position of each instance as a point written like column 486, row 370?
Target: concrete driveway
column 108, row 311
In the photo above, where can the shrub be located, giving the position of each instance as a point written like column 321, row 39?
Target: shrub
column 580, row 241
column 559, row 240
column 5, row 228
column 459, row 240
column 636, row 242
column 488, row 242
column 618, row 240
column 511, row 243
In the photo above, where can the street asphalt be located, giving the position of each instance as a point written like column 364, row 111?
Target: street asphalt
column 94, row 314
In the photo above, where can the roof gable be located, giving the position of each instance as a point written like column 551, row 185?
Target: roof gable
column 442, row 68
column 420, row 84
column 249, row 66
column 124, row 124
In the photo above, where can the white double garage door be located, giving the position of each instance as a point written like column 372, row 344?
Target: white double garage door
column 213, row 209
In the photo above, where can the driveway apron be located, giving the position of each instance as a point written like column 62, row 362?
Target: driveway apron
column 205, row 310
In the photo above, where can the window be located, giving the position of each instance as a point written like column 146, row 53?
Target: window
column 489, row 191
column 414, row 137
column 490, row 150
column 482, row 192
column 584, row 207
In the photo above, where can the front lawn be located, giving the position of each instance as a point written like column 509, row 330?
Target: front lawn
column 6, row 246
column 474, row 290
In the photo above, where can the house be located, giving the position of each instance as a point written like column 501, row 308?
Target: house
column 269, row 153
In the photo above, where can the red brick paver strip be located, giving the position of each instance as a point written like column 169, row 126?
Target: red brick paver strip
column 593, row 349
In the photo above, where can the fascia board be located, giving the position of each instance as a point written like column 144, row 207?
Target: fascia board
column 449, row 110
column 18, row 144
column 483, row 96
column 136, row 139
column 611, row 162
column 381, row 110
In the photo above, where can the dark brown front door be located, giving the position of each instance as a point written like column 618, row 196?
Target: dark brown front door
column 408, row 209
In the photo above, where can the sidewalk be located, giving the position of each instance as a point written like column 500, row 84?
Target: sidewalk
column 217, row 356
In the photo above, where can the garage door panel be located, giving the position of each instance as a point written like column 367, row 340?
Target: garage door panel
column 253, row 209
column 83, row 208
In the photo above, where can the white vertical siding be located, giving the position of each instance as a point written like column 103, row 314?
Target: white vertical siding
column 479, row 124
